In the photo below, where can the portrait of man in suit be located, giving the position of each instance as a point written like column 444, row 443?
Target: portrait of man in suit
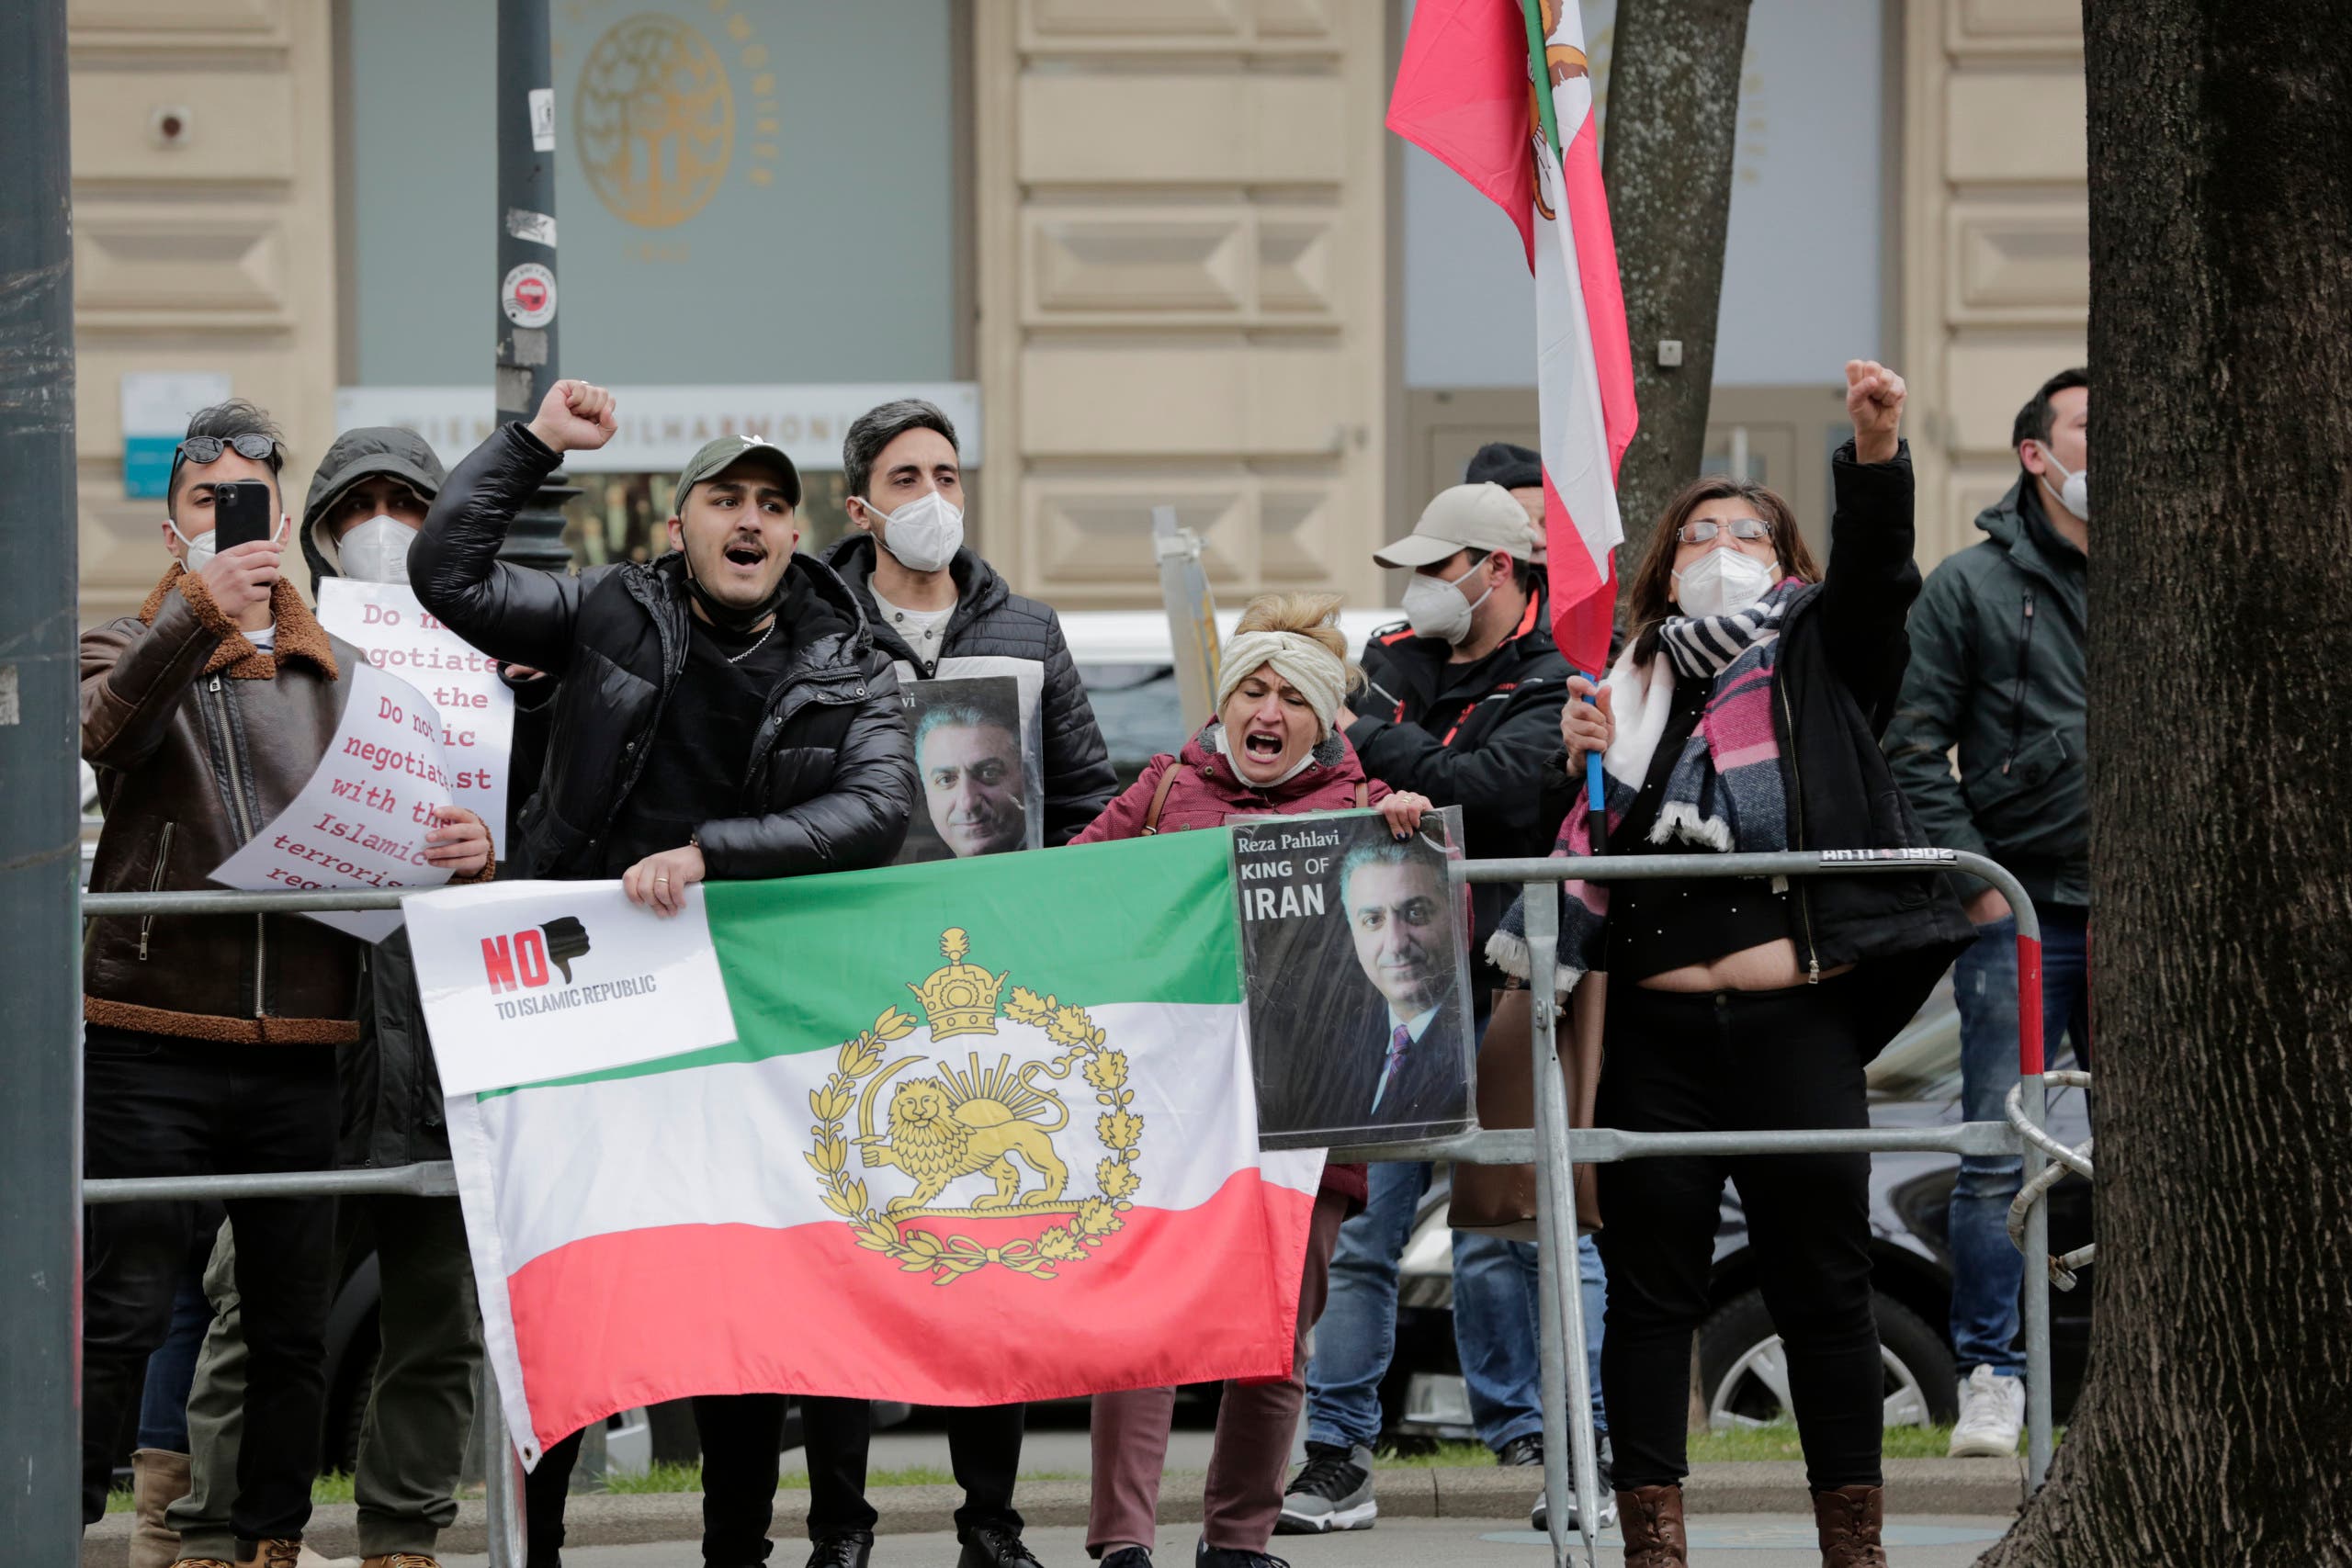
column 1374, row 1049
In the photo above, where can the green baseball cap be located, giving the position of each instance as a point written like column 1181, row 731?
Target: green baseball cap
column 717, row 456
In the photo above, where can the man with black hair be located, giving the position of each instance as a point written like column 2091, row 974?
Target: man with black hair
column 1997, row 675
column 209, row 1041
column 721, row 713
column 940, row 611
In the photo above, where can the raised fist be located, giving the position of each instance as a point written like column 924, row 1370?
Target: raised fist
column 1874, row 402
column 575, row 415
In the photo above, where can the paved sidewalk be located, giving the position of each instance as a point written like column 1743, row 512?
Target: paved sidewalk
column 1732, row 1540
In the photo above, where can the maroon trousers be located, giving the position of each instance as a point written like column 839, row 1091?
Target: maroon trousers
column 1255, row 1425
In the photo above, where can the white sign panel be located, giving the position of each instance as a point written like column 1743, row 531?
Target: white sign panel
column 360, row 822
column 155, row 408
column 476, row 707
column 523, row 981
column 662, row 426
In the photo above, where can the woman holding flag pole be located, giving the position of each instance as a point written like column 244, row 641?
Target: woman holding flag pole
column 1744, row 716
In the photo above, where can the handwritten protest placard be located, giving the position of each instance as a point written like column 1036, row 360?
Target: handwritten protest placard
column 400, row 637
column 361, row 820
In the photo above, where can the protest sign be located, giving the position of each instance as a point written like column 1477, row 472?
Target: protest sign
column 527, row 981
column 399, row 636
column 1355, row 957
column 978, row 766
column 361, row 820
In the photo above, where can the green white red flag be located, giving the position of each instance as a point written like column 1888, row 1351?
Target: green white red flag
column 1466, row 95
column 972, row 1132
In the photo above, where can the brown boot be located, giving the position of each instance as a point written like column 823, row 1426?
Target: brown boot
column 1651, row 1519
column 1849, row 1520
column 158, row 1479
column 401, row 1560
column 275, row 1554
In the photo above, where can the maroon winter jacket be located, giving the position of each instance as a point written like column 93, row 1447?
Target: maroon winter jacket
column 1207, row 791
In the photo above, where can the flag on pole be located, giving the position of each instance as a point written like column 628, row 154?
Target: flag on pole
column 985, row 1131
column 1465, row 95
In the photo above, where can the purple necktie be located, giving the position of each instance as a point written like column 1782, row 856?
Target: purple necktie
column 1400, row 1041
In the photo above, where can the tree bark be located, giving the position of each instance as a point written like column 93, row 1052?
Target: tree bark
column 1673, row 120
column 2216, row 1422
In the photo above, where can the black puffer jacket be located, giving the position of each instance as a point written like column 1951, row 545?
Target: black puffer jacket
column 1470, row 735
column 991, row 622
column 828, row 784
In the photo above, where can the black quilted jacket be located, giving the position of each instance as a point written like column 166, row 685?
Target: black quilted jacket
column 990, row 621
column 829, row 782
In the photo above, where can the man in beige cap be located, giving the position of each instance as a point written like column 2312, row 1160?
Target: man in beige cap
column 1461, row 703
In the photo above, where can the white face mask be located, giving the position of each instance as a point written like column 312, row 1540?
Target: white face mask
column 200, row 548
column 1435, row 607
column 376, row 550
column 924, row 535
column 1723, row 580
column 2074, row 495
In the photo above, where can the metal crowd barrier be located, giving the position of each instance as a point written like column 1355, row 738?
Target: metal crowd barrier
column 1552, row 1146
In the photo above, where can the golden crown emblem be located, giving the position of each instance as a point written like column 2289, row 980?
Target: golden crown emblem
column 960, row 997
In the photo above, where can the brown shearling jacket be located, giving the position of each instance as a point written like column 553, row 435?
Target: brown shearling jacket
column 200, row 739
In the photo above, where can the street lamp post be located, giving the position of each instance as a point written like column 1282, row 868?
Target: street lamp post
column 527, row 302
column 40, row 1124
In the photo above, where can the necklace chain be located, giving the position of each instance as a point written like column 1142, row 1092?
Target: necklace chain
column 739, row 658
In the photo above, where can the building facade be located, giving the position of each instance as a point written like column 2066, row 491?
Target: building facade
column 1151, row 252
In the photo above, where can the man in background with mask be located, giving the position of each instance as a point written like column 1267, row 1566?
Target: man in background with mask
column 367, row 500
column 939, row 610
column 735, row 721
column 1998, row 674
column 212, row 1040
column 1460, row 704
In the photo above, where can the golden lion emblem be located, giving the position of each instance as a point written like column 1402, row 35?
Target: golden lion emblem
column 940, row 1134
column 992, row 1122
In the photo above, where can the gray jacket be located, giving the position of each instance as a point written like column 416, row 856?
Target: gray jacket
column 1997, row 671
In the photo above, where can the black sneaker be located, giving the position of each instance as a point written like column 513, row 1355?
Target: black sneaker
column 1128, row 1557
column 1539, row 1517
column 1332, row 1491
column 1207, row 1556
column 848, row 1549
column 993, row 1546
column 1521, row 1450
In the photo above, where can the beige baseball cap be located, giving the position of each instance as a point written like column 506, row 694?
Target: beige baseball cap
column 1465, row 517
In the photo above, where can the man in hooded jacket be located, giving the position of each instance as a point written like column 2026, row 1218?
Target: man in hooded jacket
column 365, row 503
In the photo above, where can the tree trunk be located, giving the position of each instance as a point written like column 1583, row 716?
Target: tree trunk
column 2216, row 1422
column 1673, row 120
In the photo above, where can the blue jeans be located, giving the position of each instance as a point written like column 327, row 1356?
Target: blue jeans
column 1987, row 1271
column 171, row 1370
column 1495, row 1292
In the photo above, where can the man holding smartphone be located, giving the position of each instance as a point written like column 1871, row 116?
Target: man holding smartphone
column 209, row 1041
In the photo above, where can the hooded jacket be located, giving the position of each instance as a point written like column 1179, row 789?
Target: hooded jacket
column 991, row 626
column 1207, row 791
column 1998, row 672
column 830, row 780
column 391, row 1094
column 199, row 739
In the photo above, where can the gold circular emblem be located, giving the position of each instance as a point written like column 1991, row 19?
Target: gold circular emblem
column 654, row 120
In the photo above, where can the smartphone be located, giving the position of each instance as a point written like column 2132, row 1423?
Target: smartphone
column 240, row 514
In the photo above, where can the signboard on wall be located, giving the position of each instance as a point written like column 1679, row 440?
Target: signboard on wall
column 662, row 426
column 155, row 406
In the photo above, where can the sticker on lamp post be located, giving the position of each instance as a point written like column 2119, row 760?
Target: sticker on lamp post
column 527, row 295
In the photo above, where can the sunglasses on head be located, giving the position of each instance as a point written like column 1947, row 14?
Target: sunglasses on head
column 202, row 450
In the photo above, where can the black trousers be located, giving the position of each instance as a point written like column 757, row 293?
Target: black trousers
column 742, row 1436
column 158, row 1106
column 1737, row 1061
column 983, row 1446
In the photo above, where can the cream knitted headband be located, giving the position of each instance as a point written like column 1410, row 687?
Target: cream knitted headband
column 1321, row 675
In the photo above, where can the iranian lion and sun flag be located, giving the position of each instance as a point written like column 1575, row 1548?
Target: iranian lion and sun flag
column 971, row 1132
